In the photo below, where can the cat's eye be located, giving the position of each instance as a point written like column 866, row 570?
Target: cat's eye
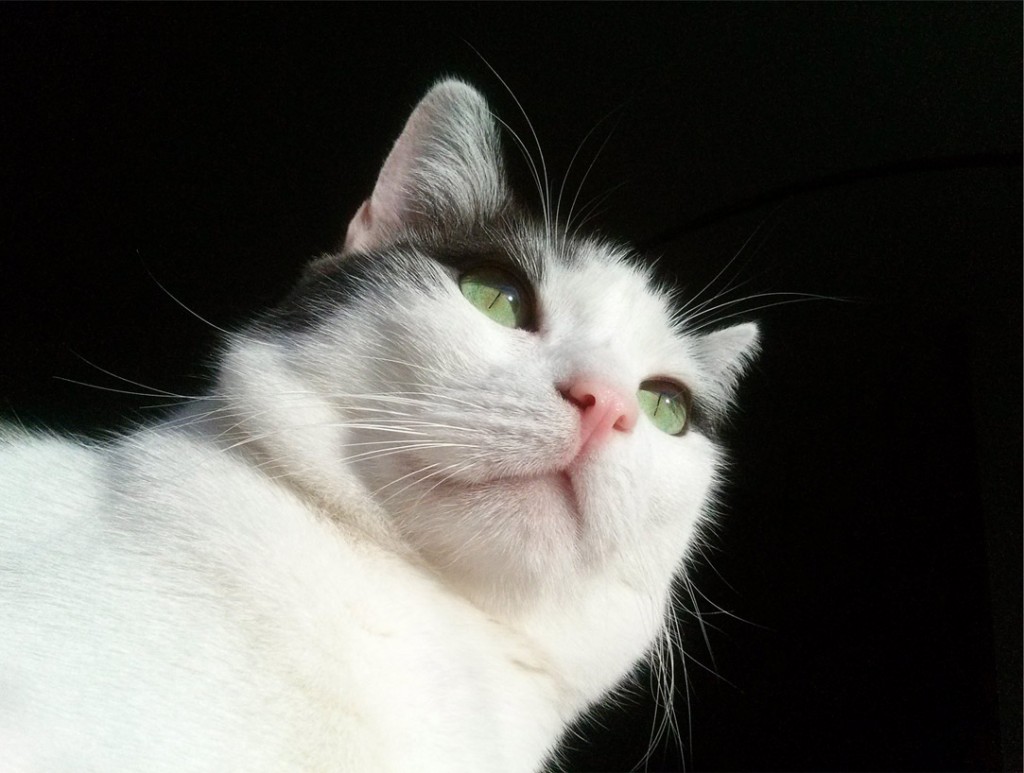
column 666, row 403
column 499, row 295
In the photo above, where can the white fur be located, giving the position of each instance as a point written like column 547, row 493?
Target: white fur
column 355, row 555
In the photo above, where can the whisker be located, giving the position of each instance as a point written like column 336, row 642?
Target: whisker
column 546, row 192
column 418, row 471
column 760, row 226
column 155, row 391
column 590, row 168
column 799, row 299
column 593, row 207
column 182, row 398
column 204, row 320
column 423, row 475
column 525, row 152
column 700, row 619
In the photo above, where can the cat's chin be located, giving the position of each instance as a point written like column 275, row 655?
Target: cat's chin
column 526, row 532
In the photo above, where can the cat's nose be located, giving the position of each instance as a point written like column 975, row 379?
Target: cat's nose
column 604, row 408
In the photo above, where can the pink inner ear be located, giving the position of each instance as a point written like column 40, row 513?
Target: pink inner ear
column 387, row 206
column 446, row 157
column 359, row 234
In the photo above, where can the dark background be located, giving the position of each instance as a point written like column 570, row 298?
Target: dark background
column 870, row 546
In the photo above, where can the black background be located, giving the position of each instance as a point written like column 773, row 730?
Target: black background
column 871, row 538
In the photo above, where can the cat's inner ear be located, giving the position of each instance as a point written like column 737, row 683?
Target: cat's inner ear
column 445, row 165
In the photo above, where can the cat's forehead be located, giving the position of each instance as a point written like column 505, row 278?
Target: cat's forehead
column 600, row 284
column 602, row 287
column 588, row 290
column 602, row 297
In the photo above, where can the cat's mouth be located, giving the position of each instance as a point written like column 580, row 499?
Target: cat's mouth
column 562, row 482
column 552, row 491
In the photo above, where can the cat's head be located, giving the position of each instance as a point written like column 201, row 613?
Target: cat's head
column 522, row 404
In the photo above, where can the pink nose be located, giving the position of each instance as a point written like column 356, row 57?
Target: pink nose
column 603, row 408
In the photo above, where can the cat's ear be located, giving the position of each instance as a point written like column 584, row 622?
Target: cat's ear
column 725, row 355
column 446, row 164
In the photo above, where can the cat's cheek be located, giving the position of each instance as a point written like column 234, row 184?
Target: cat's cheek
column 679, row 502
column 645, row 488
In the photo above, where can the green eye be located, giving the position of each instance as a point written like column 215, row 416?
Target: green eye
column 498, row 294
column 666, row 404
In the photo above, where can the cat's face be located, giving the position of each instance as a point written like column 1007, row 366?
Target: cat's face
column 522, row 404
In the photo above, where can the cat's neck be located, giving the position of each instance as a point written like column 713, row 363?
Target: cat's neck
column 585, row 631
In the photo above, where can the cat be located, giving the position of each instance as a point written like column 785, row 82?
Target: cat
column 429, row 513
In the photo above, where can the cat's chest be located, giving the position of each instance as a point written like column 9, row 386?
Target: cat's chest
column 354, row 646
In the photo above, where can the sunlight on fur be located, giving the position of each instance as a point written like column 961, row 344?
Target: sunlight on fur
column 418, row 522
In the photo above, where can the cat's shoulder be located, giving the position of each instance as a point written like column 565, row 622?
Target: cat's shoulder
column 34, row 460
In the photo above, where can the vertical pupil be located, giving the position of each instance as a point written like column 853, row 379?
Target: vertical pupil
column 665, row 404
column 497, row 295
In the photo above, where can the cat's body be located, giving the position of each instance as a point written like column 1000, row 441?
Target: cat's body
column 238, row 628
column 407, row 530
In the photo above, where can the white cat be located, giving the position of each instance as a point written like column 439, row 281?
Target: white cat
column 430, row 512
